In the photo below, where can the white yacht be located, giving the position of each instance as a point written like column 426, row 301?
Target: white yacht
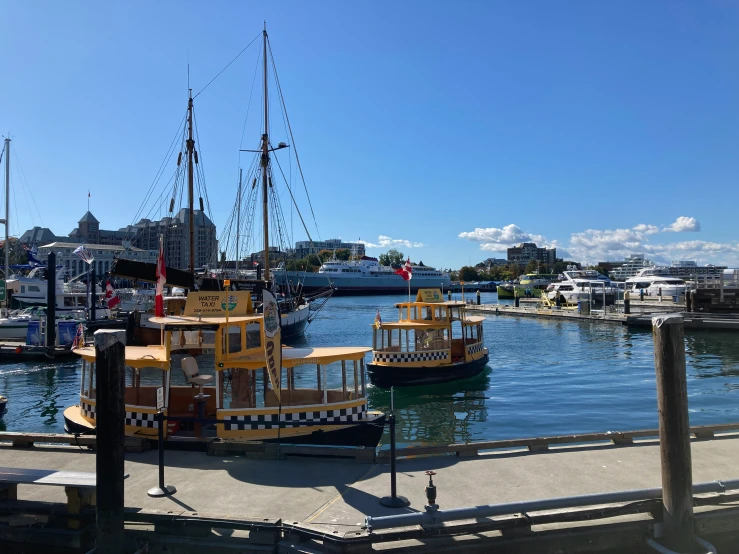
column 655, row 281
column 582, row 284
column 364, row 275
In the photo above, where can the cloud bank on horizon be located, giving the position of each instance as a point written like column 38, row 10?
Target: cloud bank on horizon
column 595, row 245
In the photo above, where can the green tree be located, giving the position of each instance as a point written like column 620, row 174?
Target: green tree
column 16, row 254
column 326, row 255
column 468, row 273
column 343, row 254
column 514, row 270
column 392, row 257
column 531, row 267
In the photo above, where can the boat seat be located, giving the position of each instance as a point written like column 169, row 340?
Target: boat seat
column 192, row 375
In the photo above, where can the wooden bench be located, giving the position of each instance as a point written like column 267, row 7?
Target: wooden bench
column 79, row 486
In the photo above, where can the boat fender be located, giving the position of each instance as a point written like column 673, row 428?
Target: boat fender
column 18, row 349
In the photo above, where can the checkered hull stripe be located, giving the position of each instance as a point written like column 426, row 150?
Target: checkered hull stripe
column 270, row 421
column 138, row 419
column 405, row 357
column 88, row 410
column 475, row 348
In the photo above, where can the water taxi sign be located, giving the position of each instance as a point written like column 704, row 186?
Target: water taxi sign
column 429, row 295
column 214, row 303
column 2, row 290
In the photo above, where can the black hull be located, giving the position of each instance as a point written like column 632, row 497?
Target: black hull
column 393, row 376
column 367, row 435
column 295, row 330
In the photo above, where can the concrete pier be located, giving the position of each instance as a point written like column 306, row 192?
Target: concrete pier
column 334, row 496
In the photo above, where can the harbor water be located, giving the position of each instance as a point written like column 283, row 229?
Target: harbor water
column 544, row 378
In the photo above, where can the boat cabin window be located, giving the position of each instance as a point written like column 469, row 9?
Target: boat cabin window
column 23, row 289
column 300, row 386
column 410, row 340
column 33, row 288
column 565, row 287
column 473, row 333
column 455, row 313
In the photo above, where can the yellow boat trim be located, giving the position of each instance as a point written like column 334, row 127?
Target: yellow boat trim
column 136, row 356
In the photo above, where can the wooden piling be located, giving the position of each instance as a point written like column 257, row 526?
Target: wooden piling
column 110, row 418
column 674, row 432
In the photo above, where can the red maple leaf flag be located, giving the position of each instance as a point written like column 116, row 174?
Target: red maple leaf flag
column 161, row 280
column 406, row 271
column 110, row 296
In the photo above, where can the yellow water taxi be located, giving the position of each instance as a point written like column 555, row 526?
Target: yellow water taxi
column 433, row 341
column 309, row 396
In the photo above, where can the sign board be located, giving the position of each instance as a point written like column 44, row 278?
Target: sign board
column 2, row 290
column 160, row 398
column 215, row 304
column 431, row 296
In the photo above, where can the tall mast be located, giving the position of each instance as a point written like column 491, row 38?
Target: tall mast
column 238, row 224
column 190, row 150
column 265, row 163
column 7, row 208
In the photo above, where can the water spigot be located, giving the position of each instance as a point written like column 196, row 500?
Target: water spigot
column 431, row 492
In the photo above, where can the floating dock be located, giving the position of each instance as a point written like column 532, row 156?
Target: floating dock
column 236, row 504
column 18, row 350
column 692, row 320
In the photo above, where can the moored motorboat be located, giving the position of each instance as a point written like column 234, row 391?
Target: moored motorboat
column 3, row 405
column 433, row 341
column 327, row 405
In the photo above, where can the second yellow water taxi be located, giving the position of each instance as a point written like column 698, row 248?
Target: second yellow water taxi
column 433, row 341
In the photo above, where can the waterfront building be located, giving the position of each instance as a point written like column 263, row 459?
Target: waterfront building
column 495, row 262
column 142, row 236
column 305, row 247
column 689, row 268
column 528, row 251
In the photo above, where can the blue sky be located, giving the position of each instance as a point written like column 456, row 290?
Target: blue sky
column 447, row 130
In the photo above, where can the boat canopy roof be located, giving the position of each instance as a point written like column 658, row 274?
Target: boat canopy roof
column 416, row 325
column 449, row 303
column 292, row 357
column 195, row 322
column 136, row 356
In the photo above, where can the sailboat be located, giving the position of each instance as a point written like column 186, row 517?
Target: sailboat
column 297, row 309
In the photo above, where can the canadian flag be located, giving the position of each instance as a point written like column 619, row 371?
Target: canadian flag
column 161, row 275
column 110, row 295
column 406, row 272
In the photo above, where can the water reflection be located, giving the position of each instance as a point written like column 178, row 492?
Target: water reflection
column 436, row 414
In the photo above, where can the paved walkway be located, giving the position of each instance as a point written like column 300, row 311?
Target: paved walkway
column 338, row 494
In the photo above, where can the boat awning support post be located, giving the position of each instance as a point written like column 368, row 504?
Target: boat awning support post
column 393, row 501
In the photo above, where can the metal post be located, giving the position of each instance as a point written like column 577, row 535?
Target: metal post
column 393, row 501
column 93, row 299
column 162, row 489
column 50, row 301
column 7, row 223
column 674, row 432
column 110, row 371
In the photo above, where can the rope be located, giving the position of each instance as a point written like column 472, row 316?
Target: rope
column 225, row 68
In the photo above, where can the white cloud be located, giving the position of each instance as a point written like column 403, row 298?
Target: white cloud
column 595, row 245
column 646, row 229
column 384, row 241
column 684, row 224
column 494, row 239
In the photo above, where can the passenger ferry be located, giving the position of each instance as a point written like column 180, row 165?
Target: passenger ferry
column 433, row 341
column 315, row 396
column 364, row 276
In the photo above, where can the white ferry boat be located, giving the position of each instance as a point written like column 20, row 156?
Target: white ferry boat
column 364, row 276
